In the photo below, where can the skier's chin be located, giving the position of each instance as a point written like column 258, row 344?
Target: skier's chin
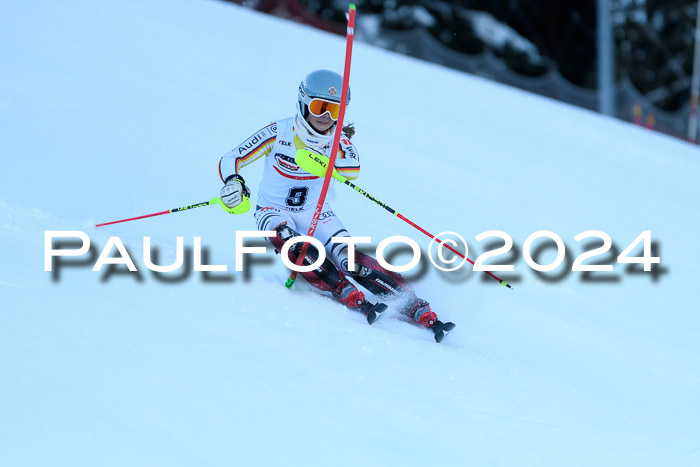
column 325, row 126
column 321, row 126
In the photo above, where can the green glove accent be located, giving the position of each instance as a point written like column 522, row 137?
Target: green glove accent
column 240, row 209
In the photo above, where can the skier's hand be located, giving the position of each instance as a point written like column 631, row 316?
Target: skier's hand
column 235, row 192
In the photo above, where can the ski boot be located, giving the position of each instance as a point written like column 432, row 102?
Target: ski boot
column 347, row 294
column 419, row 310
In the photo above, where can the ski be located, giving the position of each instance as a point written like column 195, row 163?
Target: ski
column 336, row 140
column 442, row 329
column 375, row 312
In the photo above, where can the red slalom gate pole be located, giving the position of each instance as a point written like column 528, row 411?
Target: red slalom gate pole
column 336, row 142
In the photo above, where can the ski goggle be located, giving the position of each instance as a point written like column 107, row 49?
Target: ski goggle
column 318, row 107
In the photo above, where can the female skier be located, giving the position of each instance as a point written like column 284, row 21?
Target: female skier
column 288, row 195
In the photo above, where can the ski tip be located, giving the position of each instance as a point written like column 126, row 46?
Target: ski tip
column 352, row 6
column 289, row 283
column 442, row 330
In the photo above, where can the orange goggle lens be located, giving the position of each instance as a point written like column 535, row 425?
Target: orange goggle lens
column 318, row 107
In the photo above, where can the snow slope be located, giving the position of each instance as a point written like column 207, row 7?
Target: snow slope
column 114, row 109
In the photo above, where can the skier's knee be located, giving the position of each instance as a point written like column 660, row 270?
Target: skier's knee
column 325, row 277
column 284, row 233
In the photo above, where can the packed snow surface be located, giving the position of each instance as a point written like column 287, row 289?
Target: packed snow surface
column 116, row 109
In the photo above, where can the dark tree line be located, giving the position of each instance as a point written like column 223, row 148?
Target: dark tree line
column 654, row 38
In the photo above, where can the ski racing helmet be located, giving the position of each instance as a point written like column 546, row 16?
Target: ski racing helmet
column 325, row 85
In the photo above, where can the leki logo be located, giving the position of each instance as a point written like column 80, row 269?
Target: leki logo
column 332, row 91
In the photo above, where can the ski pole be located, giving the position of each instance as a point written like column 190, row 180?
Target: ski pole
column 317, row 164
column 336, row 141
column 240, row 209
